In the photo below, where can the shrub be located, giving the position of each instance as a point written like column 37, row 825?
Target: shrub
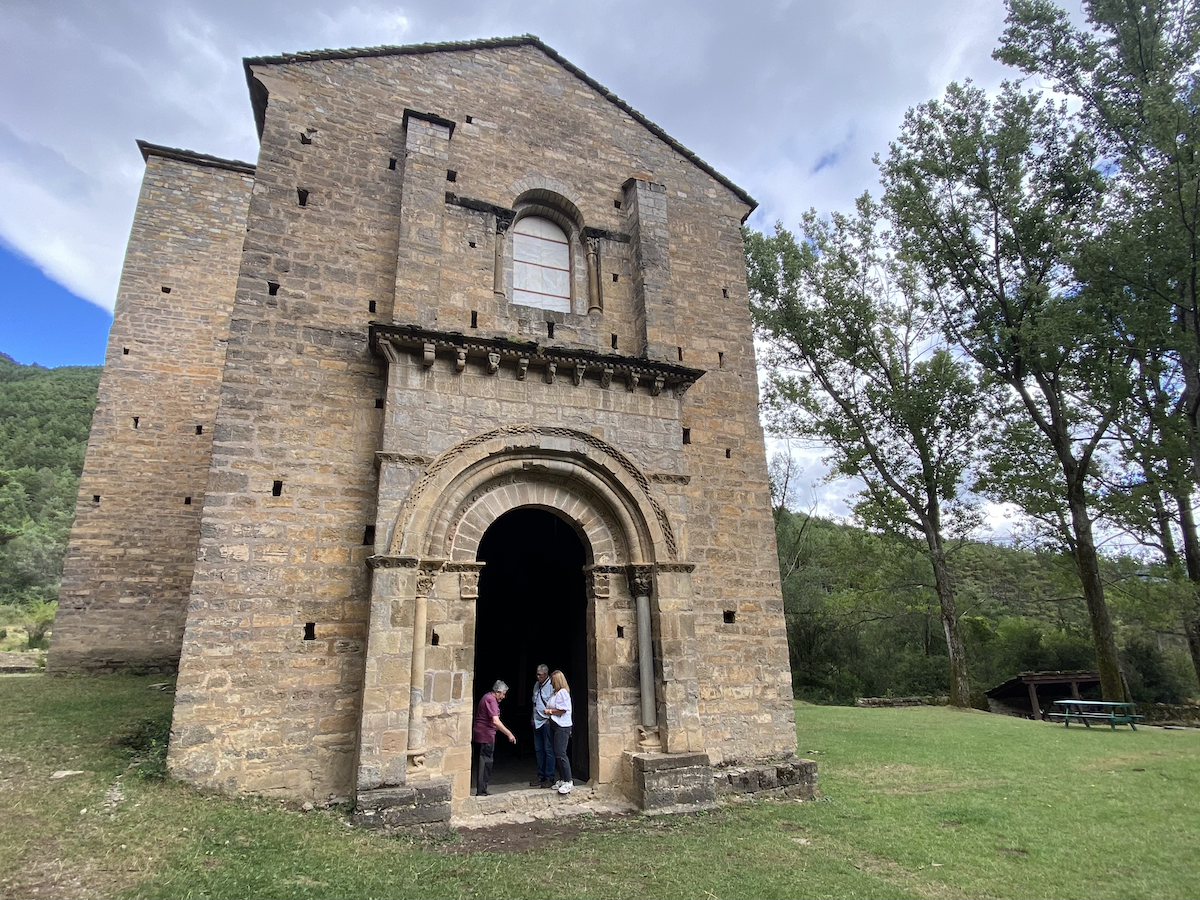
column 145, row 743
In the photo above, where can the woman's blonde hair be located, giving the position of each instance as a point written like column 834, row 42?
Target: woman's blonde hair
column 559, row 681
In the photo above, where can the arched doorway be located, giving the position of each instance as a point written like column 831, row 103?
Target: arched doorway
column 532, row 608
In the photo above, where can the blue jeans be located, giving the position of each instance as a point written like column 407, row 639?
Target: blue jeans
column 543, row 746
column 561, row 737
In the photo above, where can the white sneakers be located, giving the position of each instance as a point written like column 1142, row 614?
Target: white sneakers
column 564, row 787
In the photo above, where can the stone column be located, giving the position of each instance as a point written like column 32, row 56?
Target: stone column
column 502, row 224
column 416, row 722
column 422, row 206
column 653, row 303
column 595, row 300
column 640, row 583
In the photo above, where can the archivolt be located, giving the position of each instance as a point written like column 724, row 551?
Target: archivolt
column 587, row 481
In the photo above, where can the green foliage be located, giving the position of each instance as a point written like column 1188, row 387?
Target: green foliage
column 145, row 743
column 44, row 413
column 862, row 617
column 1133, row 73
column 45, row 417
column 855, row 360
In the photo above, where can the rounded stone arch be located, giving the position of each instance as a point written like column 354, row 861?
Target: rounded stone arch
column 558, row 201
column 550, row 199
column 580, row 478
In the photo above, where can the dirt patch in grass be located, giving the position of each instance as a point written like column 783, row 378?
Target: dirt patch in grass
column 45, row 874
column 517, row 837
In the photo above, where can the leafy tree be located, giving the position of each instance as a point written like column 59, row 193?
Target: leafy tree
column 989, row 198
column 1134, row 73
column 854, row 361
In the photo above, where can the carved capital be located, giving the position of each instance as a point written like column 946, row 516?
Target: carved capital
column 468, row 585
column 599, row 585
column 641, row 580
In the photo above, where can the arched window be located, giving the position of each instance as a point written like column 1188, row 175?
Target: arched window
column 541, row 265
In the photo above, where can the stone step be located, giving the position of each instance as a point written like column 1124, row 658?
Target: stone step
column 511, row 803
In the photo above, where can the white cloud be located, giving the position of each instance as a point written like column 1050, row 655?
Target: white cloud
column 790, row 100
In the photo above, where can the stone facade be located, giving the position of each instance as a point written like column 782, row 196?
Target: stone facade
column 129, row 563
column 391, row 426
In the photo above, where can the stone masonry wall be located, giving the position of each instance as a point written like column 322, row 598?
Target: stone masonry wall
column 129, row 563
column 343, row 215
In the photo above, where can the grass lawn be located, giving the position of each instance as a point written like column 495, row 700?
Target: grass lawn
column 921, row 802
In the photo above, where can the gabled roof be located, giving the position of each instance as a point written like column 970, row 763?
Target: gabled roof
column 259, row 99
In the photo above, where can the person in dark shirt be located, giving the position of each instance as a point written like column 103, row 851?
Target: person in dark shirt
column 483, row 734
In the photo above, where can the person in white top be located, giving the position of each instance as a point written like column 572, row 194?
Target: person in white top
column 559, row 710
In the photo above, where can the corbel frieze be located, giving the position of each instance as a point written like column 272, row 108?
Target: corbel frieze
column 654, row 377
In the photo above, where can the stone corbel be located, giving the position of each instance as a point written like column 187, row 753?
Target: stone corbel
column 631, row 381
column 580, row 371
column 522, row 367
column 657, row 387
column 606, row 377
column 390, row 351
column 493, row 363
column 551, row 368
column 460, row 359
column 427, row 354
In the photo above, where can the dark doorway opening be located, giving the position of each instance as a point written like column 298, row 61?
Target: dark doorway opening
column 532, row 609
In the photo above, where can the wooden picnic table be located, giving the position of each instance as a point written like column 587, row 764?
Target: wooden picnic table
column 1088, row 711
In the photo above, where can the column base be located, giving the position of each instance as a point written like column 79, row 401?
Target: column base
column 427, row 803
column 672, row 781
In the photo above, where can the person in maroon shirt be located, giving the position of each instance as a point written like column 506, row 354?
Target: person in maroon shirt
column 483, row 734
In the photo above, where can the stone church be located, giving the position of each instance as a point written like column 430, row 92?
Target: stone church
column 457, row 379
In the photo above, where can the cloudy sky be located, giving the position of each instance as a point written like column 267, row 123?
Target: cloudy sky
column 788, row 99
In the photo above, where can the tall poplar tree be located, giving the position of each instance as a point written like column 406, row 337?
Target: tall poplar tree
column 856, row 361
column 990, row 199
column 1135, row 73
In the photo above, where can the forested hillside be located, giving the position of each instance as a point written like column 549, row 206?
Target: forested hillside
column 45, row 415
column 863, row 616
